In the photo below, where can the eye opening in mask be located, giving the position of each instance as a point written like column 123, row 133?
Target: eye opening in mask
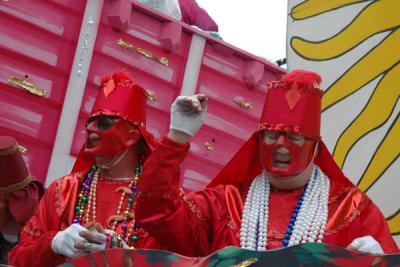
column 272, row 137
column 103, row 122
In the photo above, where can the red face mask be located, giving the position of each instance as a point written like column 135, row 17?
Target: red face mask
column 107, row 136
column 285, row 155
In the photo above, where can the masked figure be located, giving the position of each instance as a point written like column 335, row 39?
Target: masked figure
column 282, row 188
column 93, row 208
column 20, row 193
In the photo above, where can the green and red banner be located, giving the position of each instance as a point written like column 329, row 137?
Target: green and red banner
column 312, row 254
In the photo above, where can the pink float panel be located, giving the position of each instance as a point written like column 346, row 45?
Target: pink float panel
column 197, row 172
column 212, row 149
column 214, row 145
column 157, row 122
column 38, row 41
column 164, row 82
column 27, row 116
column 51, row 82
column 73, row 7
column 228, row 92
column 79, row 136
column 33, row 126
column 145, row 31
column 106, row 45
column 17, row 36
column 46, row 16
column 36, row 158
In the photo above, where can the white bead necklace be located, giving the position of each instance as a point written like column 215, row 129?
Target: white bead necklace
column 310, row 222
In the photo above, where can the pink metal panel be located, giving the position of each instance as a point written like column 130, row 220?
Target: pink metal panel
column 214, row 145
column 79, row 135
column 35, row 158
column 72, row 7
column 27, row 116
column 37, row 44
column 51, row 82
column 228, row 92
column 196, row 171
column 145, row 31
column 157, row 122
column 42, row 16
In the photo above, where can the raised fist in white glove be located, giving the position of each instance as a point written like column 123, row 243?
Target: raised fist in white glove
column 366, row 244
column 187, row 113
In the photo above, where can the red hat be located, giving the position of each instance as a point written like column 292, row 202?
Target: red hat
column 22, row 189
column 119, row 95
column 292, row 105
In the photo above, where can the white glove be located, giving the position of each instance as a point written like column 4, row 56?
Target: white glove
column 187, row 113
column 64, row 241
column 366, row 244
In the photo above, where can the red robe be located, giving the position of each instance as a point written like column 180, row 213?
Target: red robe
column 197, row 224
column 56, row 212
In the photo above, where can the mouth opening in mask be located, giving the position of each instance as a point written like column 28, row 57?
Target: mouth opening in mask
column 283, row 156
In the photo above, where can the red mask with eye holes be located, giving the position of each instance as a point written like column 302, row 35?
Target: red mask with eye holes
column 285, row 158
column 109, row 140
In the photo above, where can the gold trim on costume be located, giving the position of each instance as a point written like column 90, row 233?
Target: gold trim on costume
column 16, row 186
column 9, row 151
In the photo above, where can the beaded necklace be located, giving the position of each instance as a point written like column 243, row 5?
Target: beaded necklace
column 86, row 206
column 308, row 220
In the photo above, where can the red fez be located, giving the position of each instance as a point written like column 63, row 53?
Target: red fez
column 294, row 105
column 23, row 191
column 13, row 172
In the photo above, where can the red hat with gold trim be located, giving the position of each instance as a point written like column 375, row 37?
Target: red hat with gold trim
column 22, row 190
column 292, row 105
column 119, row 96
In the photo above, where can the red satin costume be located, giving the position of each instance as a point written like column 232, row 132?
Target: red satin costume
column 197, row 224
column 123, row 99
column 56, row 213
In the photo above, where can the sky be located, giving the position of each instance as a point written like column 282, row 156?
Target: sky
column 258, row 27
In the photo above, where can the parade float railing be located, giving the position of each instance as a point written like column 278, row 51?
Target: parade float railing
column 311, row 254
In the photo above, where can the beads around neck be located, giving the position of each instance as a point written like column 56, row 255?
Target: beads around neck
column 308, row 220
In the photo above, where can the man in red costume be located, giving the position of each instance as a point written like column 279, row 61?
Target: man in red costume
column 19, row 195
column 282, row 188
column 93, row 208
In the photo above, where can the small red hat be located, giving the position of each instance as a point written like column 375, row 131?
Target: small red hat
column 294, row 105
column 13, row 172
column 23, row 191
column 119, row 95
